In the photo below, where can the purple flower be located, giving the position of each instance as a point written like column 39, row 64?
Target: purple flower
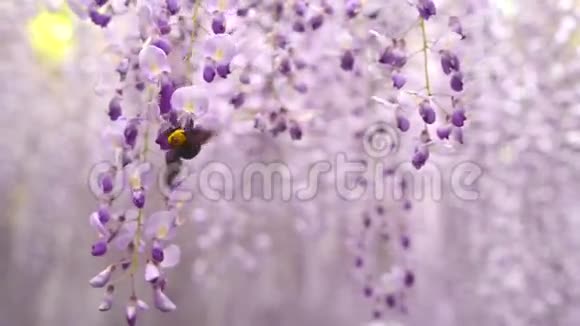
column 458, row 117
column 101, row 279
column 455, row 26
column 394, row 55
column 420, row 156
column 131, row 312
column 104, row 215
column 115, row 109
column 161, row 301
column 163, row 26
column 449, row 61
column 106, row 181
column 157, row 254
column 98, row 18
column 138, row 198
column 165, row 93
column 160, row 225
column 347, row 60
column 427, row 112
column 368, row 291
column 99, row 248
column 399, row 80
column 173, row 6
column 218, row 24
column 172, row 256
column 220, row 48
column 300, row 7
column 95, row 222
column 100, row 3
column 151, row 272
column 130, row 133
column 443, row 132
column 409, row 279
column 316, row 21
column 107, row 301
column 298, row 27
column 403, row 123
column 390, row 301
column 153, row 62
column 163, row 44
column 426, row 9
column 238, row 100
column 353, row 8
column 456, row 81
column 223, row 70
column 284, row 66
column 191, row 100
column 208, row 73
column 295, row 130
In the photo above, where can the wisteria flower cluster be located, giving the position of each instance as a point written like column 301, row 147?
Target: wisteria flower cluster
column 188, row 71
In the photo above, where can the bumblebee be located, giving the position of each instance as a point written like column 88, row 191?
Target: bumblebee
column 187, row 143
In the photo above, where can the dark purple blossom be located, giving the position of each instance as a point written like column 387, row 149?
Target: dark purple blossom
column 295, row 130
column 157, row 254
column 163, row 44
column 165, row 93
column 115, row 110
column 420, row 156
column 316, row 22
column 99, row 248
column 98, row 18
column 399, row 80
column 449, row 61
column 138, row 198
column 455, row 26
column 223, row 70
column 218, row 24
column 347, row 60
column 173, row 6
column 208, row 73
column 427, row 112
column 443, row 132
column 403, row 123
column 456, row 81
column 458, row 117
column 238, row 100
column 426, row 9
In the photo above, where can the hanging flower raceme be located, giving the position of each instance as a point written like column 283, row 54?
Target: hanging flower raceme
column 189, row 72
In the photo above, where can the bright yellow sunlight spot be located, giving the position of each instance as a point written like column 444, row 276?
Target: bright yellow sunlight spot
column 51, row 34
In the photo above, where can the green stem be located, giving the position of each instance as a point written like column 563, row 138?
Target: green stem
column 425, row 57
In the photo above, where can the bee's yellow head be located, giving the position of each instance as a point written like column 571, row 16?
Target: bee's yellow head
column 177, row 138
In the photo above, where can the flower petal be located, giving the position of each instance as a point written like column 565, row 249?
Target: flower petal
column 172, row 255
column 101, row 279
column 220, row 48
column 151, row 272
column 190, row 99
column 159, row 225
column 97, row 225
column 125, row 235
column 153, row 62
column 162, row 302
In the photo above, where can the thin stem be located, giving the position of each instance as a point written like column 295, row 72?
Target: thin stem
column 425, row 57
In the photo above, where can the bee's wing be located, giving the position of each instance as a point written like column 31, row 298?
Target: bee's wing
column 200, row 136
